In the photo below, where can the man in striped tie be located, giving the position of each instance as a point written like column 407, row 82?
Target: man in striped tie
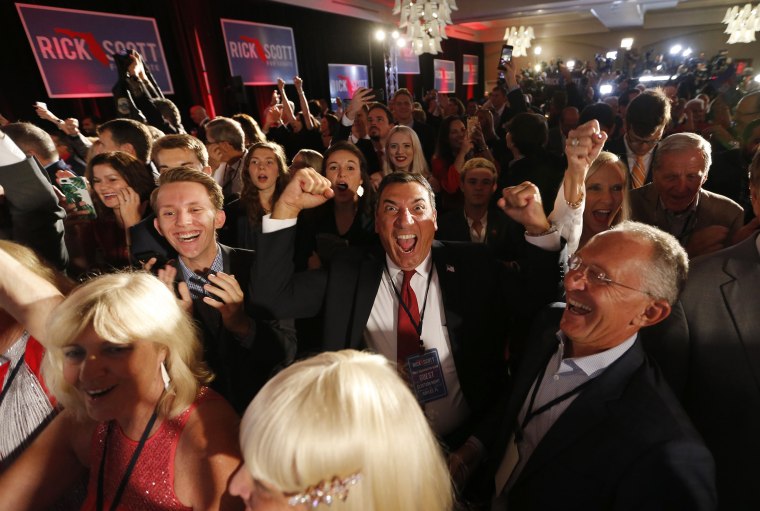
column 646, row 118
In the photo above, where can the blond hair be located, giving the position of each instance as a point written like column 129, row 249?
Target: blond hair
column 419, row 163
column 340, row 413
column 125, row 308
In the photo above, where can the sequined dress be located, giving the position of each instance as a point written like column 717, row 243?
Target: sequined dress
column 151, row 485
column 26, row 404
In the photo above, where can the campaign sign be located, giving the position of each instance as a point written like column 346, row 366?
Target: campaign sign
column 74, row 49
column 407, row 62
column 469, row 69
column 260, row 53
column 445, row 75
column 345, row 79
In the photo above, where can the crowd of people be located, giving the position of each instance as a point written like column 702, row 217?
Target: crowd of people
column 557, row 299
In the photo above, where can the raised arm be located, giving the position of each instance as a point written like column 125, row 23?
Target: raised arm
column 307, row 124
column 30, row 299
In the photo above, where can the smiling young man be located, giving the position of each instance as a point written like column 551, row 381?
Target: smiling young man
column 240, row 348
column 590, row 424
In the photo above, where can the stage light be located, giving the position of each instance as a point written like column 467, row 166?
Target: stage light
column 380, row 35
column 675, row 49
column 394, row 34
column 537, row 50
column 400, row 42
column 605, row 89
column 686, row 52
column 626, row 42
column 612, row 55
column 570, row 64
column 537, row 67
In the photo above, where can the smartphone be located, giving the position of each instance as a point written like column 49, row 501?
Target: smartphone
column 379, row 95
column 506, row 56
column 75, row 190
column 40, row 104
column 472, row 123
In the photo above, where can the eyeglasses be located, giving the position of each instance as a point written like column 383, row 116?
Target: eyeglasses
column 594, row 275
column 635, row 139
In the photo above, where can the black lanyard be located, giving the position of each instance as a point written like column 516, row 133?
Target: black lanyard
column 12, row 376
column 417, row 327
column 130, row 466
column 531, row 413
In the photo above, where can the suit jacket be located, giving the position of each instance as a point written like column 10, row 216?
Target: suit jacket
column 476, row 293
column 33, row 216
column 623, row 443
column 713, row 209
column 242, row 367
column 709, row 350
column 504, row 236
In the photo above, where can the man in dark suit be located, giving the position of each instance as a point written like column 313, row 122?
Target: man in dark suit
column 29, row 209
column 589, row 423
column 241, row 347
column 457, row 291
column 645, row 120
column 403, row 106
column 675, row 202
column 709, row 351
column 477, row 221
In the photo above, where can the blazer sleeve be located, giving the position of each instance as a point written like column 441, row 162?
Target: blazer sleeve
column 274, row 284
column 37, row 219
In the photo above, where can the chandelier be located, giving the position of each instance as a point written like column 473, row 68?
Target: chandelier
column 425, row 22
column 741, row 24
column 519, row 39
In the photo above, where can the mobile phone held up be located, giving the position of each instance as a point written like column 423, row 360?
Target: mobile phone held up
column 506, row 56
column 75, row 190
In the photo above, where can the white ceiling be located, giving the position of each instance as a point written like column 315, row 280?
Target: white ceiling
column 486, row 20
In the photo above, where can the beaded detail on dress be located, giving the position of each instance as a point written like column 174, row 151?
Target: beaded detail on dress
column 151, row 485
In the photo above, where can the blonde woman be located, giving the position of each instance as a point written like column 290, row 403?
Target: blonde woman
column 340, row 430
column 124, row 361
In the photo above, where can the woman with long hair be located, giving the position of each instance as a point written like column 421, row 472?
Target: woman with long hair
column 121, row 187
column 264, row 178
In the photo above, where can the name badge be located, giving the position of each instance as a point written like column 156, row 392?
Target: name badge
column 426, row 376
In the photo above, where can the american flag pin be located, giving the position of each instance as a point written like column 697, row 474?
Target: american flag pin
column 450, row 268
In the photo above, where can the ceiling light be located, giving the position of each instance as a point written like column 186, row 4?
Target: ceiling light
column 741, row 25
column 627, row 43
column 425, row 22
column 675, row 49
column 519, row 39
column 537, row 50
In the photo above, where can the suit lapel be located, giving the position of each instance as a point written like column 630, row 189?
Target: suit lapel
column 446, row 270
column 743, row 270
column 370, row 274
column 588, row 409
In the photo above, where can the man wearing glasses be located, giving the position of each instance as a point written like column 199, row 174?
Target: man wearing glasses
column 590, row 424
column 675, row 201
column 225, row 141
column 645, row 120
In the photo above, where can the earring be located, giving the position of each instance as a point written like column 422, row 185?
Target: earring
column 165, row 376
column 360, row 191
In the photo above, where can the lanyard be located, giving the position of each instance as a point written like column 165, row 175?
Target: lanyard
column 532, row 413
column 417, row 327
column 130, row 466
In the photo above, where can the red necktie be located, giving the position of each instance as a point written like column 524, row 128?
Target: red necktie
column 408, row 340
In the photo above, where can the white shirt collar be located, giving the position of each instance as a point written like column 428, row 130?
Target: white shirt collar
column 592, row 364
column 423, row 269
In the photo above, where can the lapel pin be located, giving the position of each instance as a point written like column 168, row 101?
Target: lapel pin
column 450, row 268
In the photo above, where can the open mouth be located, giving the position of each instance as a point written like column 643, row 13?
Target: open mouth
column 262, row 178
column 602, row 215
column 187, row 237
column 406, row 242
column 579, row 309
column 342, row 187
column 109, row 196
column 98, row 393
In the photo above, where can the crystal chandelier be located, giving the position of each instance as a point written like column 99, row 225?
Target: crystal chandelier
column 519, row 39
column 425, row 22
column 741, row 24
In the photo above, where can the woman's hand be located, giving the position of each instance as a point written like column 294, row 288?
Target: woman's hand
column 129, row 207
